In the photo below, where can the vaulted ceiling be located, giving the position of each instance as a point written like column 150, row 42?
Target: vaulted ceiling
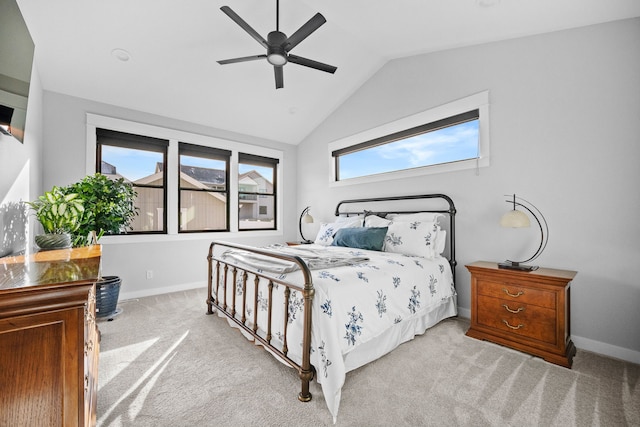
column 173, row 48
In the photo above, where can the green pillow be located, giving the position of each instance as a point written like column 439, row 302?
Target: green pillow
column 370, row 238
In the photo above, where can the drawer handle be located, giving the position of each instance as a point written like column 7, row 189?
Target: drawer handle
column 513, row 295
column 512, row 327
column 506, row 307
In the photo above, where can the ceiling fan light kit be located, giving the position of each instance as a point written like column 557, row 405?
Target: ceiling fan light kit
column 278, row 45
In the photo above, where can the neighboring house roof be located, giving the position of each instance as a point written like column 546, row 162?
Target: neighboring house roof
column 150, row 179
column 109, row 169
column 256, row 176
column 203, row 175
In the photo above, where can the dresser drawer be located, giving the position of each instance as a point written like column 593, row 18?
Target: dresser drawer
column 517, row 292
column 516, row 318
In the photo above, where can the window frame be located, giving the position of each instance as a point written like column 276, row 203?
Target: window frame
column 252, row 159
column 479, row 101
column 194, row 150
column 136, row 142
column 175, row 136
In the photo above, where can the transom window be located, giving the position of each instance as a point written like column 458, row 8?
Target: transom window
column 449, row 137
column 448, row 140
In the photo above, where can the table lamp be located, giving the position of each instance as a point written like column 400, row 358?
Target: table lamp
column 518, row 219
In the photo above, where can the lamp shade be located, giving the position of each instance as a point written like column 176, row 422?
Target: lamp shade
column 307, row 218
column 515, row 219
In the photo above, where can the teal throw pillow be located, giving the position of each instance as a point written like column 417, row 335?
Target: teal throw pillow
column 369, row 238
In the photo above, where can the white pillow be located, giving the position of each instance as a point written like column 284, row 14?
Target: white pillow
column 375, row 221
column 343, row 218
column 415, row 238
column 328, row 230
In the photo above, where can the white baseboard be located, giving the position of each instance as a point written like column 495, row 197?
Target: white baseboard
column 606, row 349
column 464, row 312
column 164, row 290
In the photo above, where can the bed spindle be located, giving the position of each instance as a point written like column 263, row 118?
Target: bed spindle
column 269, row 311
column 233, row 291
column 244, row 296
column 224, row 303
column 255, row 304
column 285, row 347
column 217, row 299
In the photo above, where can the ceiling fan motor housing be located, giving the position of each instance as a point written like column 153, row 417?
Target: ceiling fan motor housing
column 276, row 53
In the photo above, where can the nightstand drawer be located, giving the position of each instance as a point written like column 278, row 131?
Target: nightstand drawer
column 517, row 292
column 517, row 318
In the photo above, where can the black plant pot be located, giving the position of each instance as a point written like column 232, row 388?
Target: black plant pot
column 107, row 292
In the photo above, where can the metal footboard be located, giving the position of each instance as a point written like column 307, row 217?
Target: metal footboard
column 226, row 278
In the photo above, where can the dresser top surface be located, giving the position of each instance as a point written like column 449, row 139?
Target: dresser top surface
column 548, row 272
column 50, row 267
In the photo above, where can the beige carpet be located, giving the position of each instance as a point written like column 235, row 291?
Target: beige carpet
column 163, row 362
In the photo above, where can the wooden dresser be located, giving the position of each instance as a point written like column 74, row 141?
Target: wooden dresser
column 527, row 311
column 49, row 341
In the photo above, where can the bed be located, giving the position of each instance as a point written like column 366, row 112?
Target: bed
column 378, row 275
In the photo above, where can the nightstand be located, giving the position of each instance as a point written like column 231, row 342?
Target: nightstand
column 527, row 311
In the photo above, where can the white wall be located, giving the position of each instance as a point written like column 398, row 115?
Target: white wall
column 176, row 262
column 565, row 120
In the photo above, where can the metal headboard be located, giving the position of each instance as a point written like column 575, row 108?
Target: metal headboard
column 450, row 213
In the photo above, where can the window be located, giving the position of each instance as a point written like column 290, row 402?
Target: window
column 188, row 184
column 204, row 190
column 450, row 137
column 140, row 160
column 443, row 141
column 256, row 192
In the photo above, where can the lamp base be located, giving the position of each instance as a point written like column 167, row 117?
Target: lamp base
column 512, row 265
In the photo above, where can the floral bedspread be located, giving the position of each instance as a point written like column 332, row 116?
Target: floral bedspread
column 353, row 304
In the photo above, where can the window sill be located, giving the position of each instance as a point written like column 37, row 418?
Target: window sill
column 152, row 238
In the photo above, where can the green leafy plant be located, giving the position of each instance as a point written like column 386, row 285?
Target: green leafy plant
column 109, row 206
column 59, row 211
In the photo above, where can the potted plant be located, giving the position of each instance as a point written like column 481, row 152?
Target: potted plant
column 109, row 209
column 60, row 213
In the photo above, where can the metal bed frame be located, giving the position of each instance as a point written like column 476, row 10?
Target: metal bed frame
column 229, row 275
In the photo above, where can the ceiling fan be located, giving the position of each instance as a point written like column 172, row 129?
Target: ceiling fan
column 278, row 44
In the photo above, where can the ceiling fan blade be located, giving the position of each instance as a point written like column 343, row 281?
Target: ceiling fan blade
column 242, row 59
column 312, row 64
column 279, row 77
column 304, row 31
column 253, row 33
